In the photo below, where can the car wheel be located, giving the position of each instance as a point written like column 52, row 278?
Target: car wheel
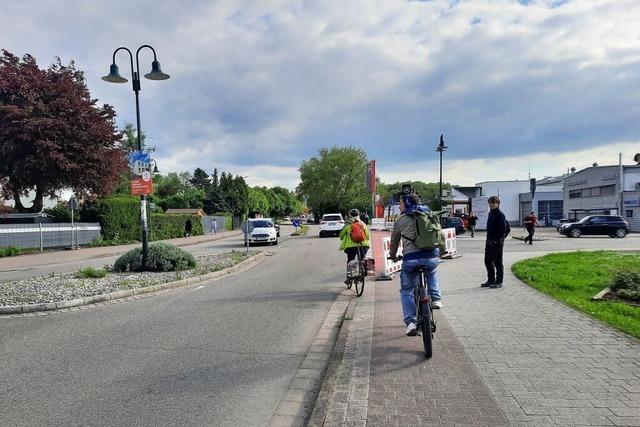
column 576, row 232
column 620, row 233
column 321, row 234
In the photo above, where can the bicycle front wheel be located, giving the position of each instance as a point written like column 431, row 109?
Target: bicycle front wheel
column 427, row 332
column 359, row 282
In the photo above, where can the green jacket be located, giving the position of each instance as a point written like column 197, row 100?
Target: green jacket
column 345, row 237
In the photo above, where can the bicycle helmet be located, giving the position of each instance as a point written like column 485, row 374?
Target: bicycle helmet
column 354, row 213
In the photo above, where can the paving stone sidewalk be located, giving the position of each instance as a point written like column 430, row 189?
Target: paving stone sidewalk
column 509, row 356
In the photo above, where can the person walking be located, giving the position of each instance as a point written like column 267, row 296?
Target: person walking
column 497, row 230
column 413, row 257
column 188, row 227
column 472, row 223
column 214, row 226
column 530, row 222
column 354, row 237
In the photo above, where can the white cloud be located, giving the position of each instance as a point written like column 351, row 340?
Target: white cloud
column 260, row 85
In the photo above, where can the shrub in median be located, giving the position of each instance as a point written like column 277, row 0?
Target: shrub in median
column 626, row 284
column 161, row 257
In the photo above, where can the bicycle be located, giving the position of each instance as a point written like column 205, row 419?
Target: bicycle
column 356, row 276
column 426, row 322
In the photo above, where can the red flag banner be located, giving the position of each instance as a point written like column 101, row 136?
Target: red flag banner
column 371, row 176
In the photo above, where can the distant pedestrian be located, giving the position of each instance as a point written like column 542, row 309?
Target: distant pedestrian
column 472, row 223
column 365, row 217
column 214, row 226
column 497, row 231
column 530, row 222
column 188, row 227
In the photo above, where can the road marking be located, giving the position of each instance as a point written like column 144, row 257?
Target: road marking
column 199, row 287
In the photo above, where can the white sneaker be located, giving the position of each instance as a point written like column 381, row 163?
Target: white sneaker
column 436, row 304
column 412, row 329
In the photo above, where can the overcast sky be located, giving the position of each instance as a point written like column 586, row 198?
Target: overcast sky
column 259, row 86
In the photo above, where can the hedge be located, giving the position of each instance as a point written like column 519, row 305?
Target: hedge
column 163, row 226
column 120, row 218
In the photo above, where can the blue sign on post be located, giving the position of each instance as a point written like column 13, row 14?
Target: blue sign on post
column 295, row 222
column 139, row 162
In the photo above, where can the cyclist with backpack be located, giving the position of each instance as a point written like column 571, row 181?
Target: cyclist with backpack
column 422, row 240
column 354, row 237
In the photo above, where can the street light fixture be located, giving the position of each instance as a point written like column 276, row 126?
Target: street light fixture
column 440, row 148
column 115, row 77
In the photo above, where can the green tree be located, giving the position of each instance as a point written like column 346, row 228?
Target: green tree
column 258, row 202
column 428, row 192
column 167, row 186
column 334, row 180
column 200, row 179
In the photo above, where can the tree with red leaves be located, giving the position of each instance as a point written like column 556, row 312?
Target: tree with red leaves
column 53, row 135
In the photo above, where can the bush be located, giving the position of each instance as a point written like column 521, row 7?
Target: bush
column 9, row 251
column 626, row 284
column 62, row 213
column 90, row 272
column 120, row 218
column 161, row 257
column 162, row 226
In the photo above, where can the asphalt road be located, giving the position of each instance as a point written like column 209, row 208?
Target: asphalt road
column 220, row 354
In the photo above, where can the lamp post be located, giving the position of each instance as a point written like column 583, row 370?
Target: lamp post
column 115, row 77
column 247, row 219
column 440, row 148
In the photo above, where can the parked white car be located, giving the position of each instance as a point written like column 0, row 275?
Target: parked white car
column 262, row 230
column 331, row 224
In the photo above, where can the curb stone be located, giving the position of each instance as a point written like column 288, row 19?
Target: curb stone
column 30, row 308
column 299, row 400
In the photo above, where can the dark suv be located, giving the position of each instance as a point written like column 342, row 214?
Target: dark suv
column 452, row 222
column 604, row 225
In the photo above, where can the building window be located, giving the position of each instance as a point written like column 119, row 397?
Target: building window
column 575, row 194
column 595, row 191
column 629, row 213
column 608, row 190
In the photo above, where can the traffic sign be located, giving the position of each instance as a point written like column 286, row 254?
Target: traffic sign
column 73, row 203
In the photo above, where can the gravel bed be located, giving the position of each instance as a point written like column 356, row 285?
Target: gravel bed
column 62, row 287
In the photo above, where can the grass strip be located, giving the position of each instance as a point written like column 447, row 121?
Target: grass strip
column 574, row 278
column 304, row 229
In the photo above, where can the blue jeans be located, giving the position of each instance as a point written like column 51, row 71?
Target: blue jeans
column 409, row 280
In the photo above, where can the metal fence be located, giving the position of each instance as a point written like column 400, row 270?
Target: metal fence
column 207, row 223
column 48, row 235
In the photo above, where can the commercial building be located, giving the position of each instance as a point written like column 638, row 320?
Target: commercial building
column 516, row 201
column 604, row 190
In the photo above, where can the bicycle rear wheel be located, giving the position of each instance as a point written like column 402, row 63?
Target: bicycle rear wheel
column 427, row 333
column 359, row 282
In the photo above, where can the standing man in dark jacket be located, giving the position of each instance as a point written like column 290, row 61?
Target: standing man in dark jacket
column 497, row 230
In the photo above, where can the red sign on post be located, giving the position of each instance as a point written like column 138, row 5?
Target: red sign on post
column 140, row 186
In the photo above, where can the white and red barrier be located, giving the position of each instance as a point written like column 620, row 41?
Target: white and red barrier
column 451, row 250
column 390, row 266
column 381, row 224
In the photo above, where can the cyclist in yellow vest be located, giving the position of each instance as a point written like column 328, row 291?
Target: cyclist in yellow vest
column 347, row 244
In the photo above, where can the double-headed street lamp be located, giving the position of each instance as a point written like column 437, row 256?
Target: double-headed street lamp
column 115, row 77
column 440, row 148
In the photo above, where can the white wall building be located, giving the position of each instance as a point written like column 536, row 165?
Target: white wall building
column 514, row 202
